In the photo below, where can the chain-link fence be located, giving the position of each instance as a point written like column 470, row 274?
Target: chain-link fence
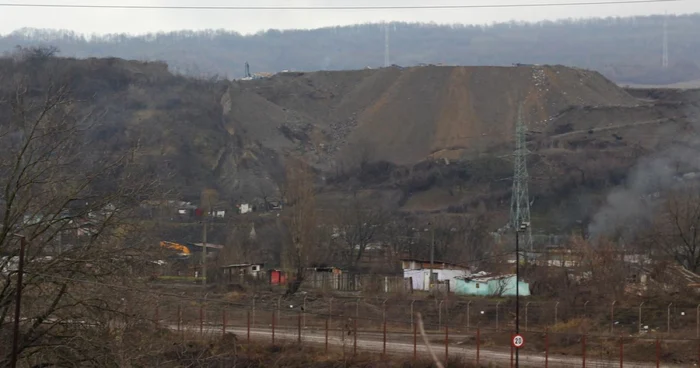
column 476, row 331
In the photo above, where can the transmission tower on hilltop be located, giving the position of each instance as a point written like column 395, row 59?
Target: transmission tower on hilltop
column 386, row 45
column 664, row 56
column 520, row 199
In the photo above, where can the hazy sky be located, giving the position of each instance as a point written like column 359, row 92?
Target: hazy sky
column 101, row 21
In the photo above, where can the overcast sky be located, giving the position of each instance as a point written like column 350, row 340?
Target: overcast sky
column 138, row 21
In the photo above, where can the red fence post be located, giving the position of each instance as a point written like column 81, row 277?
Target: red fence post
column 201, row 320
column 478, row 343
column 273, row 328
column 384, row 348
column 223, row 317
column 622, row 354
column 299, row 329
column 354, row 339
column 447, row 343
column 658, row 353
column 326, row 335
column 248, row 326
column 583, row 350
column 415, row 340
column 546, row 347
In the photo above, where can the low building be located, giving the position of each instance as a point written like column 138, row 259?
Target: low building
column 419, row 272
column 483, row 284
column 240, row 273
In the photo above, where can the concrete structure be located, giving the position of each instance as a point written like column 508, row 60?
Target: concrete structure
column 483, row 284
column 419, row 272
column 421, row 278
column 419, row 264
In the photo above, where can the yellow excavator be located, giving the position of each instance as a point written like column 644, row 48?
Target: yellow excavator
column 184, row 250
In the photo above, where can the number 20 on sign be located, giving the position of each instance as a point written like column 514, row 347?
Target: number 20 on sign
column 518, row 341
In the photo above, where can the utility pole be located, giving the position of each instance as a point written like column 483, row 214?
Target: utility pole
column 432, row 251
column 522, row 228
column 18, row 302
column 204, row 250
column 520, row 199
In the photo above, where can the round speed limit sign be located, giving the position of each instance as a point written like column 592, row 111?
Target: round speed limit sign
column 518, row 341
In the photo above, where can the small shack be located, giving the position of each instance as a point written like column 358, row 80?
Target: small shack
column 240, row 273
column 483, row 284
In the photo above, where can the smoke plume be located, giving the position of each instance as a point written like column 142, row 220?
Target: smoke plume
column 632, row 206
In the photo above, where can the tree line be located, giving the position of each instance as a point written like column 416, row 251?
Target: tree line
column 627, row 50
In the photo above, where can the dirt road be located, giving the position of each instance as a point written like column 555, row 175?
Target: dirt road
column 373, row 342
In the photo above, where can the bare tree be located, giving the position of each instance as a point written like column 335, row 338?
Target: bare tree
column 675, row 234
column 74, row 204
column 299, row 220
column 358, row 225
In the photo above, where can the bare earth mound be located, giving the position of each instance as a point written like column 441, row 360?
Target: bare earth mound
column 408, row 115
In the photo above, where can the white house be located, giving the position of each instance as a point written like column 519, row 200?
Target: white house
column 419, row 272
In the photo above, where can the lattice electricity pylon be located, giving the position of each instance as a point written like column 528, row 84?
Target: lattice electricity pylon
column 520, row 199
column 664, row 55
column 386, row 45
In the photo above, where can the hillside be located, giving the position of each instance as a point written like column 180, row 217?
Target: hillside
column 407, row 115
column 433, row 138
column 420, row 139
column 626, row 50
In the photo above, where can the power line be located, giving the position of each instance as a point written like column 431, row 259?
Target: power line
column 344, row 7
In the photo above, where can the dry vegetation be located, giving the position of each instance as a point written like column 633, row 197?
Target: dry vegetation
column 73, row 178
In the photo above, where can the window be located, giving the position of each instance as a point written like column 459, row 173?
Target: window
column 477, row 285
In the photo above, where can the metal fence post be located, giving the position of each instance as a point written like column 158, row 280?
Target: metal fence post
column 497, row 324
column 415, row 341
column 279, row 310
column 254, row 296
column 622, row 354
column 273, row 328
column 223, row 315
column 639, row 322
column 299, row 328
column 384, row 323
column 440, row 314
column 478, row 344
column 248, row 326
column 556, row 313
column 658, row 353
column 512, row 360
column 327, row 335
column 584, row 308
column 413, row 323
column 354, row 340
column 527, row 307
column 447, row 344
column 469, row 303
column 583, row 350
column 668, row 319
column 612, row 317
column 697, row 323
column 546, row 347
column 303, row 308
column 330, row 312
